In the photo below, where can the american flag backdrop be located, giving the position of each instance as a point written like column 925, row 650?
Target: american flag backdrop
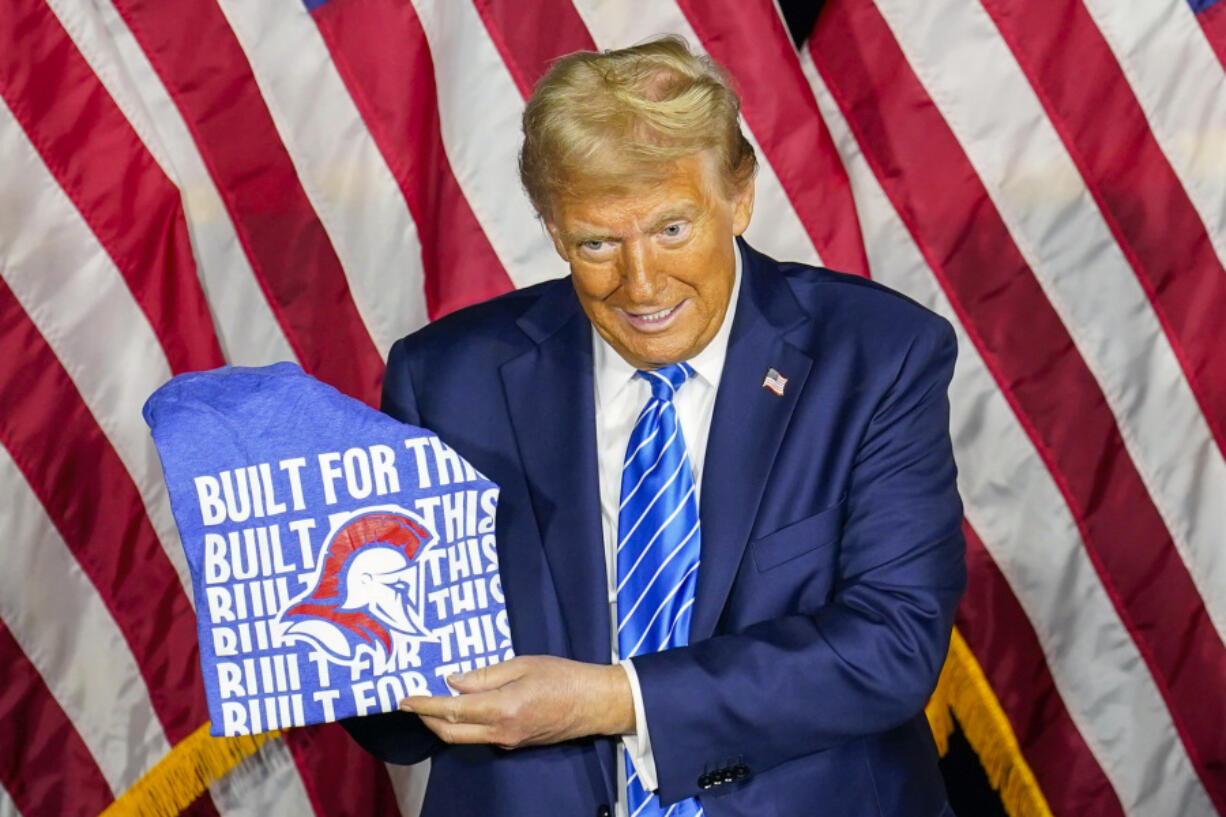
column 189, row 183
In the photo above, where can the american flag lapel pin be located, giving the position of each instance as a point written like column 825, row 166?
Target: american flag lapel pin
column 774, row 381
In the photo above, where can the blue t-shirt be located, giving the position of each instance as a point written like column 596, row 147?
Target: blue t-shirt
column 340, row 560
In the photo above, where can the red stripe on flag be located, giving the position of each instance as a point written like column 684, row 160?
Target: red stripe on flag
column 519, row 40
column 89, row 496
column 750, row 40
column 339, row 776
column 936, row 192
column 1213, row 23
column 40, row 748
column 102, row 165
column 382, row 54
column 1003, row 641
column 1147, row 209
column 203, row 67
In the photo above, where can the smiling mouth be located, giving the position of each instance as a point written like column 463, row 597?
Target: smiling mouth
column 653, row 320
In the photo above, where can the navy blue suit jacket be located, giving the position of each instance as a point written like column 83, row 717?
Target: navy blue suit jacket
column 832, row 554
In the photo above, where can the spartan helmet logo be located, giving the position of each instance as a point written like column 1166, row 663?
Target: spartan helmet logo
column 370, row 586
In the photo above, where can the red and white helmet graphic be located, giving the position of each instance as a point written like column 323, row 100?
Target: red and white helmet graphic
column 370, row 585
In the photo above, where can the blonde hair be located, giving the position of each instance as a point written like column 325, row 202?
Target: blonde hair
column 601, row 120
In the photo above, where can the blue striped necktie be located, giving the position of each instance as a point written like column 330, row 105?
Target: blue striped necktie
column 658, row 544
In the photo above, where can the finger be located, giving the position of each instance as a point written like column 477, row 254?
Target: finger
column 479, row 708
column 458, row 732
column 444, row 707
column 483, row 679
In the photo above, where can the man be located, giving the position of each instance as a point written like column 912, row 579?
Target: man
column 732, row 472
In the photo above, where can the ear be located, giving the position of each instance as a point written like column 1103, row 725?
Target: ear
column 556, row 235
column 742, row 207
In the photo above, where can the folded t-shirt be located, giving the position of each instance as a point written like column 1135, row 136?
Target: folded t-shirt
column 340, row 560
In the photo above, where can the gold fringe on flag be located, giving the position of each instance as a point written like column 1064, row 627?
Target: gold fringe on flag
column 964, row 690
column 184, row 774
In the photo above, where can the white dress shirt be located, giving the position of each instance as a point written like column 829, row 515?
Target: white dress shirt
column 620, row 397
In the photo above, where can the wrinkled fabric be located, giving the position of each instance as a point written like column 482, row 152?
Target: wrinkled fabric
column 340, row 560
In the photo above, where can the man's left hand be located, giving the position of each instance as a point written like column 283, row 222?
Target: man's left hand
column 530, row 700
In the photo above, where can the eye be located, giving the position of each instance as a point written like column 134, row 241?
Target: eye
column 596, row 250
column 677, row 229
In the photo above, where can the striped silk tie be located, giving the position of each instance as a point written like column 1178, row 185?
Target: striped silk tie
column 657, row 549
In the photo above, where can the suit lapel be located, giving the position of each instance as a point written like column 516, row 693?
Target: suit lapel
column 552, row 406
column 746, row 429
column 549, row 392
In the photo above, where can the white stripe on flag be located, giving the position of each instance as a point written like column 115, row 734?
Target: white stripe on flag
column 268, row 785
column 1060, row 231
column 246, row 328
column 775, row 228
column 1180, row 85
column 82, row 306
column 344, row 175
column 62, row 625
column 409, row 783
column 1027, row 528
column 85, row 28
column 7, row 807
column 479, row 115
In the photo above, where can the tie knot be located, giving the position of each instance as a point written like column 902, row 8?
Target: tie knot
column 665, row 381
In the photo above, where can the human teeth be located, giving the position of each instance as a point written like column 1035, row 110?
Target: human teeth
column 655, row 316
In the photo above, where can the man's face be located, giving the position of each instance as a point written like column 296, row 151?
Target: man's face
column 653, row 267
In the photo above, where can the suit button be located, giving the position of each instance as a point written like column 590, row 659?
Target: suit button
column 705, row 782
column 740, row 770
column 603, row 810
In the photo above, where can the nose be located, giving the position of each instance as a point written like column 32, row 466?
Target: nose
column 641, row 278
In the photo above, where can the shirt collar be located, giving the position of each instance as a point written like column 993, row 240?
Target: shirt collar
column 612, row 373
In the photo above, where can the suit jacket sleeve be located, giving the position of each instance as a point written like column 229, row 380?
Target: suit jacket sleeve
column 395, row 737
column 866, row 661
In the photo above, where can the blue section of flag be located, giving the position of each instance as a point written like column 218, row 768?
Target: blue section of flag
column 311, row 5
column 1202, row 5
